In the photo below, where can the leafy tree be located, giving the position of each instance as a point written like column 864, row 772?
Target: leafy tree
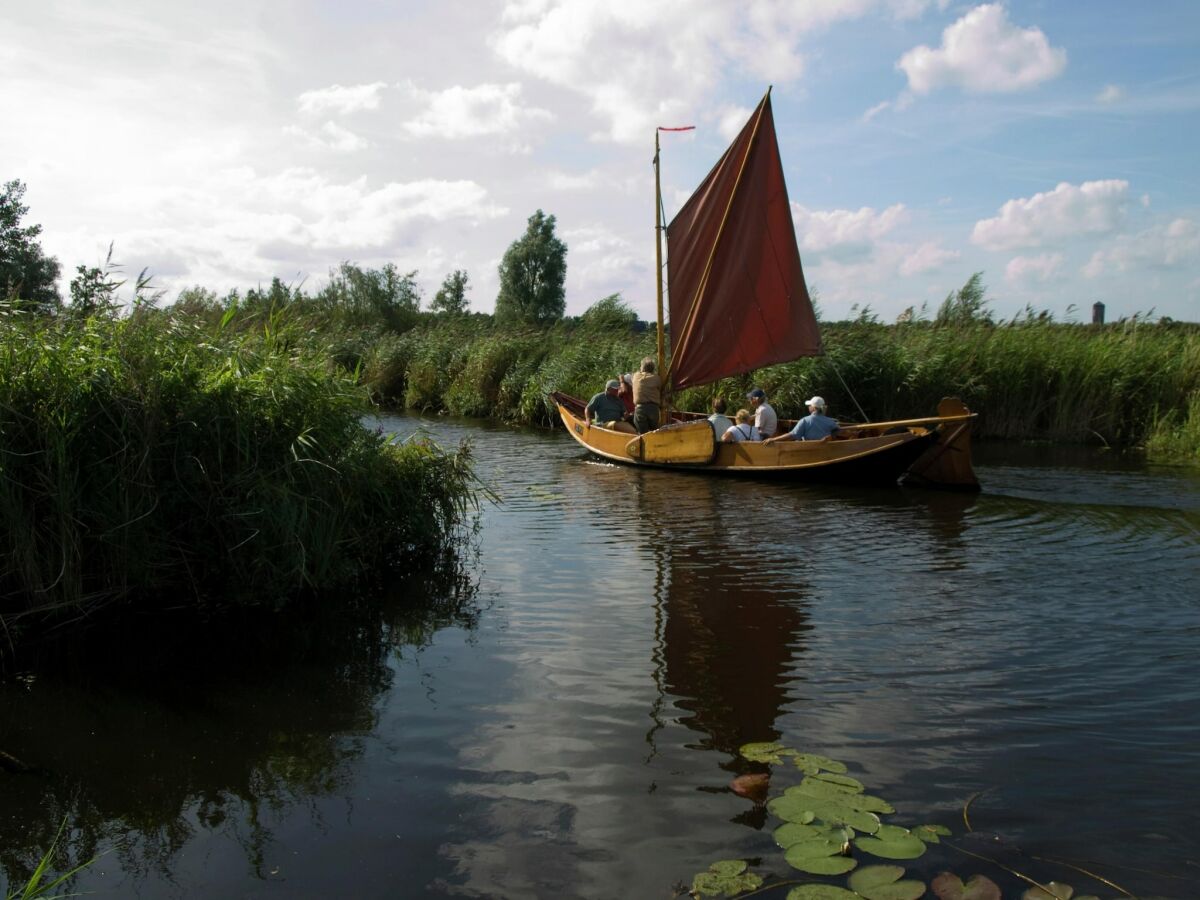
column 276, row 297
column 610, row 313
column 94, row 289
column 452, row 295
column 365, row 296
column 532, row 275
column 197, row 301
column 27, row 276
column 967, row 306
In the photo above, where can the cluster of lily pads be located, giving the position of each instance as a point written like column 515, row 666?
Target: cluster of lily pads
column 828, row 816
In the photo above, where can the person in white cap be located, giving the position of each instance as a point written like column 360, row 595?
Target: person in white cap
column 816, row 426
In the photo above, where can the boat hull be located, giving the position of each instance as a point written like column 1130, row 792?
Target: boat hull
column 879, row 453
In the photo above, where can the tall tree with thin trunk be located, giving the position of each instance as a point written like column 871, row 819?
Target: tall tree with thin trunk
column 28, row 277
column 452, row 295
column 533, row 273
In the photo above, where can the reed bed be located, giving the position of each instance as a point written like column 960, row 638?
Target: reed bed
column 1124, row 385
column 162, row 459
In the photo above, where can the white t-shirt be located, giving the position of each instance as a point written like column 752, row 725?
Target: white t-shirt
column 765, row 419
column 744, row 433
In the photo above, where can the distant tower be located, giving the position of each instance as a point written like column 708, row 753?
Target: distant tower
column 1097, row 313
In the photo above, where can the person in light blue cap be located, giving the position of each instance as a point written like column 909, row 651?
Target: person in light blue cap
column 816, row 426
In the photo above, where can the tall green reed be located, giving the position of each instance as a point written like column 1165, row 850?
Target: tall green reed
column 156, row 456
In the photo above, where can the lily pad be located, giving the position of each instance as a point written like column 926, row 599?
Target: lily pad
column 797, row 806
column 819, row 856
column 948, row 886
column 764, row 752
column 726, row 877
column 930, row 833
column 853, row 785
column 825, row 790
column 820, row 892
column 753, row 786
column 883, row 883
column 811, row 764
column 794, row 832
column 896, row 843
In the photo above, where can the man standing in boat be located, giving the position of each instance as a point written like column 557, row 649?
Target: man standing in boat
column 647, row 397
column 816, row 426
column 765, row 419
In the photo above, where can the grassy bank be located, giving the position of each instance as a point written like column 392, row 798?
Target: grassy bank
column 170, row 461
column 1129, row 384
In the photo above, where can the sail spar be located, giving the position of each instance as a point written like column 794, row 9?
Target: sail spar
column 738, row 300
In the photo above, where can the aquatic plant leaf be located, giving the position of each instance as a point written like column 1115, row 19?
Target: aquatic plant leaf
column 726, row 877
column 853, row 785
column 872, row 876
column 817, row 787
column 823, row 865
column 797, row 806
column 820, row 892
column 891, row 833
column 793, row 833
column 820, row 856
column 883, row 883
column 930, row 833
column 812, row 763
column 948, row 886
column 1057, row 891
column 763, row 751
column 753, row 786
column 906, row 846
column 729, row 867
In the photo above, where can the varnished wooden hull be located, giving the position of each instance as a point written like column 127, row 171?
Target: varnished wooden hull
column 935, row 452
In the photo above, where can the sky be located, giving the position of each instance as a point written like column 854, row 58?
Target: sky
column 1051, row 145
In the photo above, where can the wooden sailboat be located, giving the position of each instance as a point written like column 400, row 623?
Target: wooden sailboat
column 738, row 302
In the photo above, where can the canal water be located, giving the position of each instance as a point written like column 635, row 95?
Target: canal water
column 562, row 718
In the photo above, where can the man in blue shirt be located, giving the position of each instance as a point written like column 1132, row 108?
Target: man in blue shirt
column 816, row 426
column 608, row 409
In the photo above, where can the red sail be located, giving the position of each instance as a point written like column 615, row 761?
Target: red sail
column 737, row 295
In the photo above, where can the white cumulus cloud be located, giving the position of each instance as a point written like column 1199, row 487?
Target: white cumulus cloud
column 1168, row 246
column 926, row 258
column 820, row 231
column 1093, row 207
column 984, row 52
column 1034, row 268
column 341, row 100
column 1111, row 94
column 640, row 65
column 464, row 112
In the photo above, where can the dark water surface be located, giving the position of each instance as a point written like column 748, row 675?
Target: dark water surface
column 573, row 731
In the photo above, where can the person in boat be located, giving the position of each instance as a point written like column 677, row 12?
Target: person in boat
column 608, row 410
column 765, row 419
column 816, row 426
column 721, row 423
column 744, row 430
column 625, row 392
column 647, row 397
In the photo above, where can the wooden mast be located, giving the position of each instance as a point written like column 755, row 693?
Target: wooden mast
column 665, row 409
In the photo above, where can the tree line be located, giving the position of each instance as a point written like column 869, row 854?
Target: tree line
column 532, row 276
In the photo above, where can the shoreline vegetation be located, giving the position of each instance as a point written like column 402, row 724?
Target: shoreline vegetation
column 211, row 454
column 155, row 462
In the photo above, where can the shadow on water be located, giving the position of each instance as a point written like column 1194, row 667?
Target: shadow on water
column 141, row 744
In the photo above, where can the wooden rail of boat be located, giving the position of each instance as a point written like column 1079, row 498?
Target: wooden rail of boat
column 932, row 451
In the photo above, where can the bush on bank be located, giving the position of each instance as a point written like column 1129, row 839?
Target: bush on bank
column 162, row 459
